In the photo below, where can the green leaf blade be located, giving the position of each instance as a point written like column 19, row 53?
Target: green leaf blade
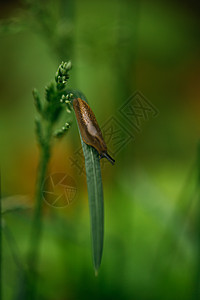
column 95, row 195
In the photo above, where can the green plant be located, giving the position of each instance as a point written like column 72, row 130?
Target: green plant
column 49, row 112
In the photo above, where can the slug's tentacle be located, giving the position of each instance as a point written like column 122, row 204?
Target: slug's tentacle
column 109, row 158
column 89, row 128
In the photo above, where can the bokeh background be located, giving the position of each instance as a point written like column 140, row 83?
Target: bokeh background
column 152, row 212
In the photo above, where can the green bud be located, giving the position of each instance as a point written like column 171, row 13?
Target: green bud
column 69, row 65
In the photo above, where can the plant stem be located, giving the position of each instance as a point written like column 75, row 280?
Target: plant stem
column 36, row 233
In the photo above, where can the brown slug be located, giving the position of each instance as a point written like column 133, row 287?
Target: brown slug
column 89, row 128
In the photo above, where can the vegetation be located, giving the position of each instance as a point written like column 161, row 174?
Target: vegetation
column 131, row 59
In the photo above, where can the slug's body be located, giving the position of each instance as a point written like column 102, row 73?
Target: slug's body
column 89, row 128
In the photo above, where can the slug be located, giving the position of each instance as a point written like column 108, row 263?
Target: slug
column 89, row 128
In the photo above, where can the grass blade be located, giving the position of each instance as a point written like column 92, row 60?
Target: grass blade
column 95, row 195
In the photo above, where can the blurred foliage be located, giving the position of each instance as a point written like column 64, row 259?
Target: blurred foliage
column 152, row 193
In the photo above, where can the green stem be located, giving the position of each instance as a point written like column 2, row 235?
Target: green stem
column 36, row 233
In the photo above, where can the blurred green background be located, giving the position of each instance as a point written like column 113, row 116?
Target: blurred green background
column 152, row 212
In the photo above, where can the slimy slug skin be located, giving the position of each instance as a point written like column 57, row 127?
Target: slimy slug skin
column 89, row 128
